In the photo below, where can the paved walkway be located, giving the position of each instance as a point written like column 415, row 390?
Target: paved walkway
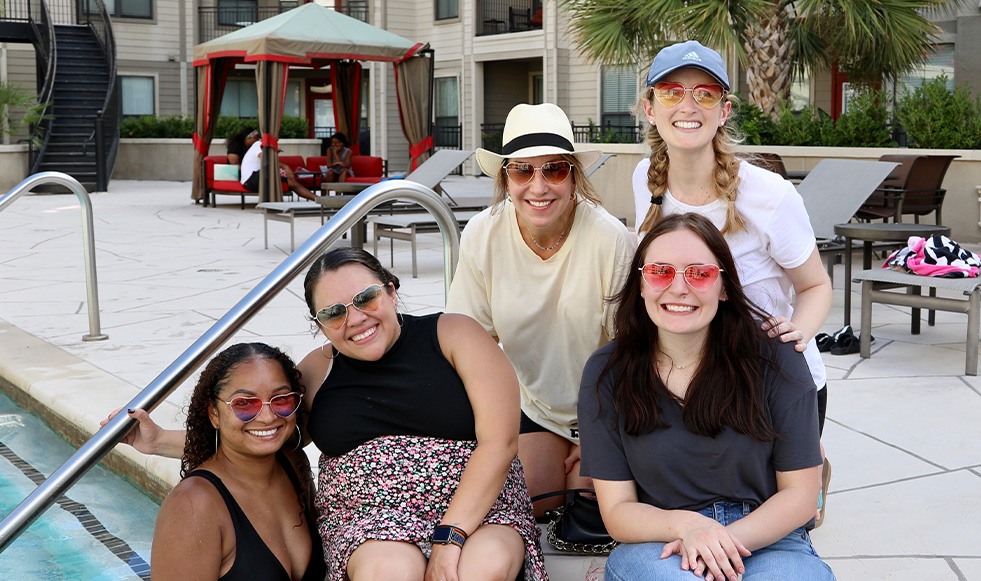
column 903, row 430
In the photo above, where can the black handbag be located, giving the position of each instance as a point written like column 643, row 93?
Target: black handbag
column 576, row 527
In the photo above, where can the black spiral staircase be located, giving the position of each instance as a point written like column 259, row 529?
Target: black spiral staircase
column 78, row 134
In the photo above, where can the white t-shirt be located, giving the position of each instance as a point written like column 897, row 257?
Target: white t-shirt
column 250, row 161
column 549, row 315
column 778, row 236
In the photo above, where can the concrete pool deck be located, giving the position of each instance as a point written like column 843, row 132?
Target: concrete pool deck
column 902, row 432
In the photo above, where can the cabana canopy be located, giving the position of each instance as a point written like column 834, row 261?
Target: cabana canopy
column 309, row 35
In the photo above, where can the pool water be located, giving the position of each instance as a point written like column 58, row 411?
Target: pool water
column 100, row 529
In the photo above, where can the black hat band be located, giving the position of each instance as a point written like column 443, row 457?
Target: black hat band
column 536, row 140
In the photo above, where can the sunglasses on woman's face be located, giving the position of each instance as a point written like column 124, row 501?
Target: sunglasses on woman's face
column 670, row 94
column 554, row 172
column 700, row 277
column 366, row 301
column 248, row 408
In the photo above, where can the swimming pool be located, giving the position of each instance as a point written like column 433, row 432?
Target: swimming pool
column 100, row 530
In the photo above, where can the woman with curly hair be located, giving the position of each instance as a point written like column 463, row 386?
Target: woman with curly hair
column 693, row 168
column 243, row 507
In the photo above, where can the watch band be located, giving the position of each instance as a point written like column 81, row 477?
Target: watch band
column 449, row 535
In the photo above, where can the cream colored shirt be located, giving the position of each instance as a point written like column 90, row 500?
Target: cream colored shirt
column 549, row 315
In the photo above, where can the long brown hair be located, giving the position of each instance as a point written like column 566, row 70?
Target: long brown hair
column 726, row 388
column 200, row 443
column 726, row 167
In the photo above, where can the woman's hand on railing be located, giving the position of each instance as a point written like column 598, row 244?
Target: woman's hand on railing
column 145, row 436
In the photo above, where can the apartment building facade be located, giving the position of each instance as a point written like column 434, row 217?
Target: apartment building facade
column 489, row 56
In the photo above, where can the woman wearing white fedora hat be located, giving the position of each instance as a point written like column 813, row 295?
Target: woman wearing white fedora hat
column 535, row 270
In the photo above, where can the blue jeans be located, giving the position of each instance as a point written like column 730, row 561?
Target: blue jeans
column 792, row 558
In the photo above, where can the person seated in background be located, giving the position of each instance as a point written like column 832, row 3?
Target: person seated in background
column 243, row 508
column 249, row 175
column 700, row 432
column 338, row 167
column 235, row 146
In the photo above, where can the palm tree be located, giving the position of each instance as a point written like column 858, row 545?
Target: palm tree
column 774, row 39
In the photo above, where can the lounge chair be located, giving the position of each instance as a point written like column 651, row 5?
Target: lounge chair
column 833, row 191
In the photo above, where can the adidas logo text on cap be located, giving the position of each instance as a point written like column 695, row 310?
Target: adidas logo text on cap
column 692, row 56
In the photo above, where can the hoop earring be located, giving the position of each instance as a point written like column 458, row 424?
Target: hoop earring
column 216, row 440
column 299, row 438
column 324, row 353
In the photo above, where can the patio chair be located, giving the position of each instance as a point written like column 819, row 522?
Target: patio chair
column 925, row 192
column 434, row 170
column 881, row 204
column 598, row 163
column 914, row 188
column 833, row 192
column 770, row 161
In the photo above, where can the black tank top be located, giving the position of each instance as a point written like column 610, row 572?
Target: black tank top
column 253, row 559
column 411, row 391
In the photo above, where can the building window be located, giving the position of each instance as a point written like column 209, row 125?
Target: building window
column 447, row 132
column 446, row 9
column 240, row 99
column 237, row 12
column 137, row 95
column 618, row 95
column 939, row 62
column 127, row 8
column 537, row 88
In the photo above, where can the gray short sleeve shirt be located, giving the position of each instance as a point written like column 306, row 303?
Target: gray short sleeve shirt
column 675, row 468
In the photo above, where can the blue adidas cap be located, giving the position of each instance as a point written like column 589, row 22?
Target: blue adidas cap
column 688, row 54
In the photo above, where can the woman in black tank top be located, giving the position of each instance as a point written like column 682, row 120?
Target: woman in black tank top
column 243, row 510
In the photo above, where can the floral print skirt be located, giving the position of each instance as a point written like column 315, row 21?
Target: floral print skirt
column 396, row 488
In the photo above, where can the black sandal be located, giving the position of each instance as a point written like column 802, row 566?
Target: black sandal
column 824, row 342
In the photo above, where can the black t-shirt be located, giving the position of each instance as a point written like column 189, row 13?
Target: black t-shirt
column 677, row 469
column 411, row 391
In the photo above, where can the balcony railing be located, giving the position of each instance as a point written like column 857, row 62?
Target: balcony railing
column 608, row 133
column 491, row 134
column 504, row 16
column 214, row 21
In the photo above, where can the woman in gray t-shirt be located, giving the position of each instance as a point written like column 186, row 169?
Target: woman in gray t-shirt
column 699, row 432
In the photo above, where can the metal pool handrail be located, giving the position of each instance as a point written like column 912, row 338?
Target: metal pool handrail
column 88, row 237
column 103, row 441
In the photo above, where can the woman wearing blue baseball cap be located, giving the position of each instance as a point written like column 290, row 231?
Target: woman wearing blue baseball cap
column 693, row 168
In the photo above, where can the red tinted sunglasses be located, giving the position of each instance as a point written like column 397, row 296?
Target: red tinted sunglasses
column 248, row 408
column 700, row 277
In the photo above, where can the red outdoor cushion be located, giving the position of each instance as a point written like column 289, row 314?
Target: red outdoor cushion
column 367, row 169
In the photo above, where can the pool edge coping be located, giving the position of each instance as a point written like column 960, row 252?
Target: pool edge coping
column 73, row 396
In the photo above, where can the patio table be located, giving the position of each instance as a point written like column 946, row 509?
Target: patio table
column 878, row 232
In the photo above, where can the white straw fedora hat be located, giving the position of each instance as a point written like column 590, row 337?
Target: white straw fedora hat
column 532, row 130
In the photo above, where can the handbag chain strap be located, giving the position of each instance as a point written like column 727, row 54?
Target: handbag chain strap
column 571, row 547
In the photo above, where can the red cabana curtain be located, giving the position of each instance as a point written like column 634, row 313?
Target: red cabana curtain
column 345, row 80
column 413, row 82
column 210, row 83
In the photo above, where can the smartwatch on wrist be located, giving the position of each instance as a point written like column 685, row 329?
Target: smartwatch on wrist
column 449, row 535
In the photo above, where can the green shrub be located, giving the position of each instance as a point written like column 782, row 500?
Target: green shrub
column 804, row 127
column 176, row 126
column 755, row 127
column 866, row 123
column 935, row 118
